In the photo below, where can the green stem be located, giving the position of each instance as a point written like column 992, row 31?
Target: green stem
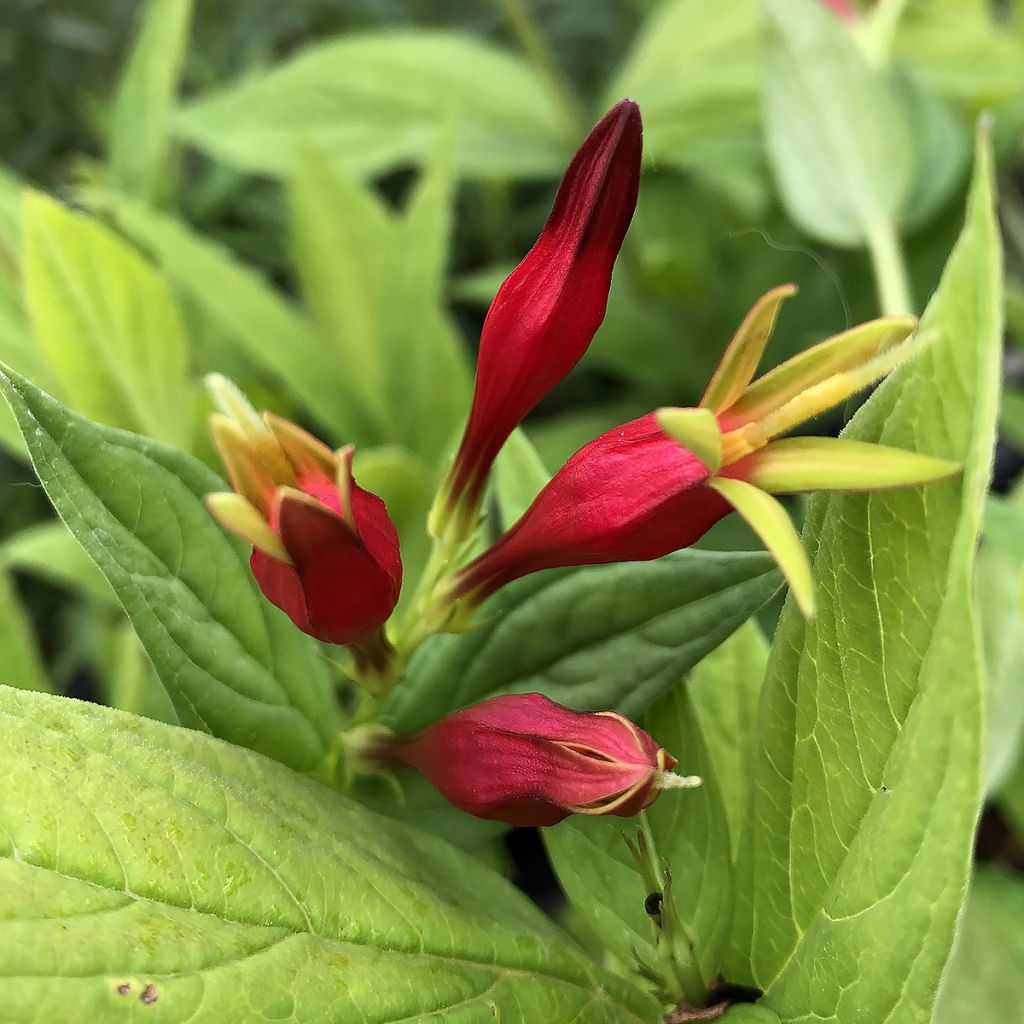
column 890, row 268
column 536, row 47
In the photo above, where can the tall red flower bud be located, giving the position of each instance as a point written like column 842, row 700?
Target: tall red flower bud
column 526, row 760
column 549, row 308
column 325, row 551
column 658, row 483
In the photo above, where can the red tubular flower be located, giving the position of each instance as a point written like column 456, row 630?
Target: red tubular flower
column 526, row 760
column 657, row 484
column 324, row 550
column 549, row 308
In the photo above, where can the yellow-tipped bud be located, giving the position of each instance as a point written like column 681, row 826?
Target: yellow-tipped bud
column 236, row 514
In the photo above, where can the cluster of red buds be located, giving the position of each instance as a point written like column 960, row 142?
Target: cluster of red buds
column 326, row 552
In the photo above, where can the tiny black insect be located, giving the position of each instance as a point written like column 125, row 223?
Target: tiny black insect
column 653, row 904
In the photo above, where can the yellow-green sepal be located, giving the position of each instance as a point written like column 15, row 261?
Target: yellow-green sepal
column 696, row 430
column 795, row 464
column 769, row 520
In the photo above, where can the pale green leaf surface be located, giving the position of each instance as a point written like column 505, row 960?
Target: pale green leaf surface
column 594, row 638
column 261, row 322
column 233, row 664
column 127, row 678
column 145, row 101
column 372, row 101
column 834, row 130
column 866, row 780
column 519, row 476
column 48, row 550
column 106, row 323
column 139, row 854
column 985, row 980
column 21, row 664
column 695, row 70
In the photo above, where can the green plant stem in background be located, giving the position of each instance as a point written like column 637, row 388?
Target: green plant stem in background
column 877, row 31
column 536, row 47
column 890, row 269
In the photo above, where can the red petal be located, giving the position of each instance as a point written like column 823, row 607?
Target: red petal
column 547, row 311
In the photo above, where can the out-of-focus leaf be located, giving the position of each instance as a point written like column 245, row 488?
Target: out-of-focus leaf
column 270, row 330
column 836, row 135
column 48, row 550
column 372, row 101
column 707, row 722
column 233, row 664
column 866, row 781
column 695, row 70
column 1011, row 416
column 985, row 979
column 999, row 598
column 144, row 105
column 961, row 53
column 106, row 323
column 519, row 475
column 20, row 662
column 191, row 879
column 599, row 637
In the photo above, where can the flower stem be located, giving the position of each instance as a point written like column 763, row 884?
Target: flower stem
column 537, row 48
column 890, row 268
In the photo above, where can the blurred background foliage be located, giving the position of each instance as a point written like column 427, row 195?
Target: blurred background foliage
column 319, row 199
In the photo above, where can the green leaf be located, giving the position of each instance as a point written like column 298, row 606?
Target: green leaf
column 999, row 600
column 835, row 132
column 595, row 638
column 268, row 328
column 867, row 774
column 144, row 106
column 127, row 679
column 695, row 70
column 106, row 323
column 372, row 101
column 707, row 722
column 985, row 980
column 1011, row 418
column 228, row 889
column 519, row 476
column 232, row 663
column 22, row 663
column 49, row 551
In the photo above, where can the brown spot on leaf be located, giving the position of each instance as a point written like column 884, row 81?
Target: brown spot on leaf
column 149, row 994
column 124, row 988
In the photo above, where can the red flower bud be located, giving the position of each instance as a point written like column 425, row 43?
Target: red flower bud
column 525, row 760
column 324, row 550
column 548, row 309
column 629, row 495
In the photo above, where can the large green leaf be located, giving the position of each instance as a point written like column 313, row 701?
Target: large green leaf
column 22, row 663
column 609, row 636
column 268, row 328
column 106, row 323
column 695, row 70
column 707, row 722
column 835, row 132
column 867, row 775
column 149, row 870
column 144, row 105
column 985, row 980
column 232, row 663
column 371, row 101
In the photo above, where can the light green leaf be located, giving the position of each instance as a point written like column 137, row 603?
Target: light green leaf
column 695, row 70
column 707, row 722
column 144, row 105
column 19, row 653
column 49, row 551
column 239, row 891
column 999, row 599
column 268, row 328
column 519, row 476
column 232, row 663
column 867, row 774
column 106, row 323
column 835, row 132
column 595, row 638
column 372, row 101
column 985, row 980
column 1011, row 419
